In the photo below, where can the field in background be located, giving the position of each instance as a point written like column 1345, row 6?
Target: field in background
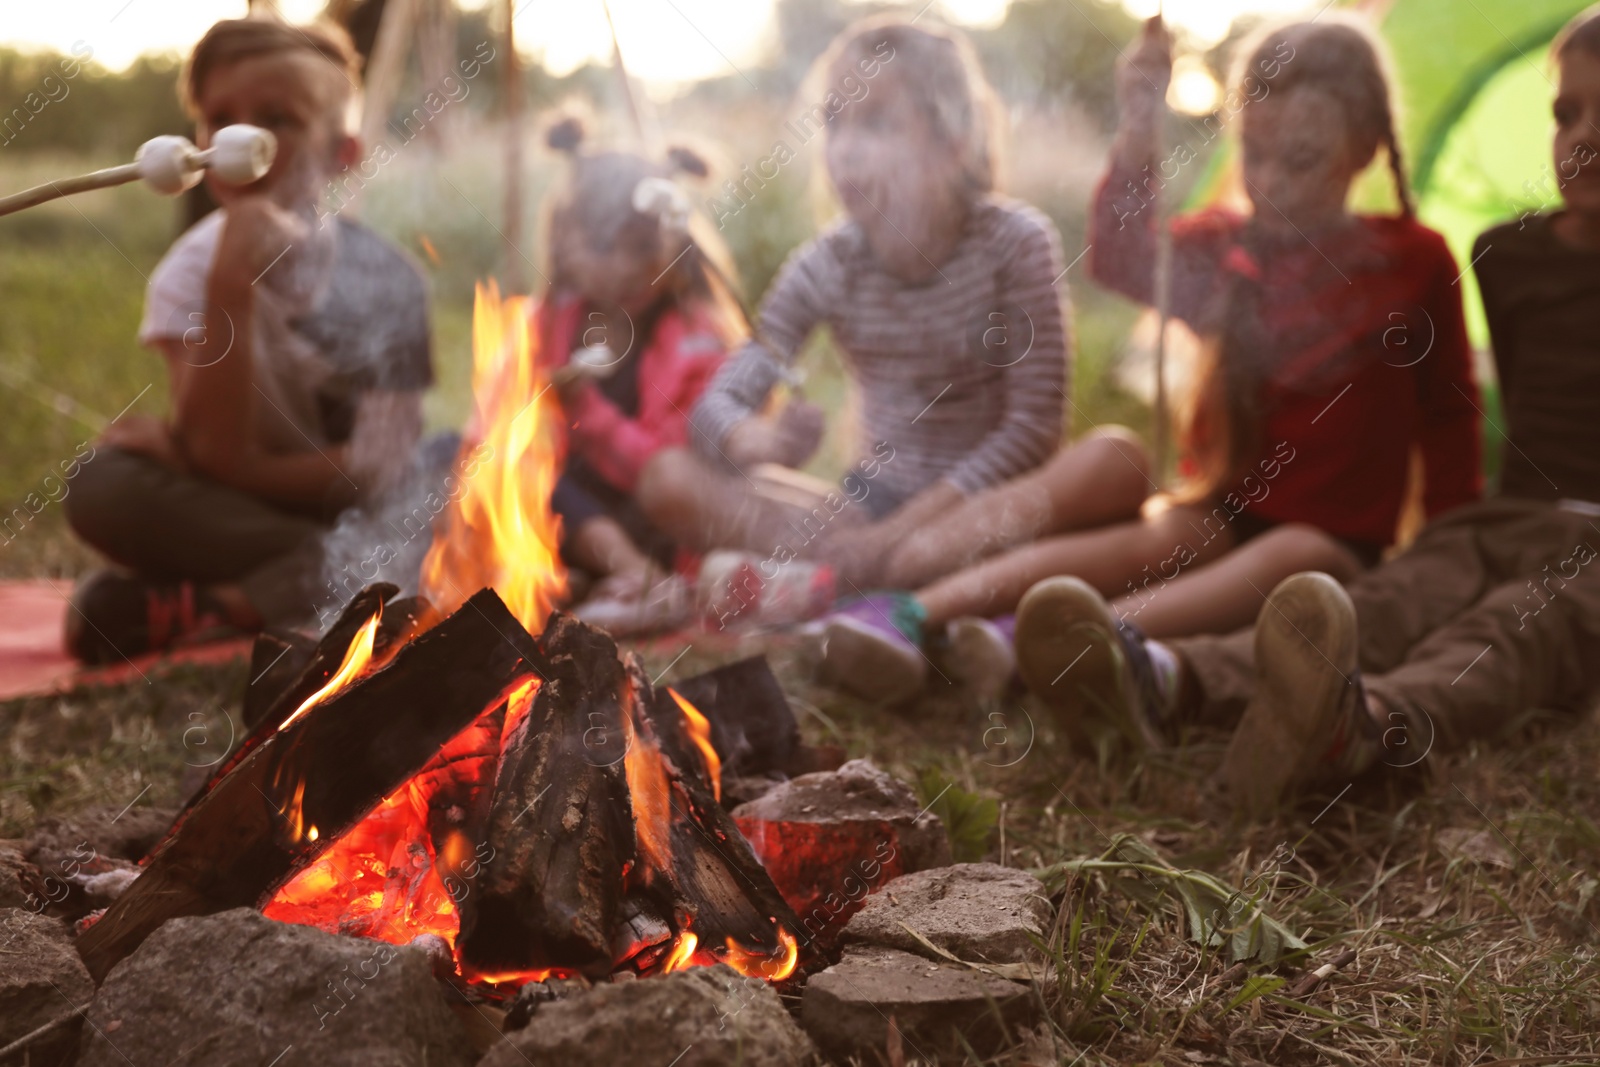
column 72, row 278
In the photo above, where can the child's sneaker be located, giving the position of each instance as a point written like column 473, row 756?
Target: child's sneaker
column 665, row 604
column 741, row 590
column 116, row 616
column 1077, row 657
column 872, row 647
column 980, row 655
column 1308, row 723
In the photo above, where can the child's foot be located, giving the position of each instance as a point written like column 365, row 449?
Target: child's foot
column 741, row 590
column 1078, row 658
column 1308, row 722
column 872, row 647
column 980, row 655
column 116, row 616
column 631, row 605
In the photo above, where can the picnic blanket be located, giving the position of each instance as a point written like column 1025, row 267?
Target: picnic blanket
column 33, row 663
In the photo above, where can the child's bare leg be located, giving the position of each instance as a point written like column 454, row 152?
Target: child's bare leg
column 1225, row 595
column 1110, row 559
column 703, row 508
column 604, row 548
column 1102, row 478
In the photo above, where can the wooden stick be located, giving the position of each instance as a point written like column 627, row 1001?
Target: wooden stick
column 1161, row 430
column 516, row 280
column 627, row 83
column 1310, row 982
column 40, row 194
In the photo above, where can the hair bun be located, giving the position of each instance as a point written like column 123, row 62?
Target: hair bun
column 566, row 135
column 687, row 161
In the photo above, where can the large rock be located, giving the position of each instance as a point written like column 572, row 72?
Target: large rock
column 701, row 1017
column 20, row 881
column 85, row 860
column 41, row 980
column 936, row 1006
column 975, row 911
column 830, row 838
column 238, row 988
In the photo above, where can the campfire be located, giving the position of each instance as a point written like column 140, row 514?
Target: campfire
column 438, row 770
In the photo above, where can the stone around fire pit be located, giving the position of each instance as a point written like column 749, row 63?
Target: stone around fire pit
column 701, row 1017
column 41, row 979
column 936, row 1006
column 19, row 879
column 830, row 838
column 976, row 911
column 237, row 988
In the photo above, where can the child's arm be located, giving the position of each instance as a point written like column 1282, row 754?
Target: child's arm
column 1123, row 217
column 726, row 421
column 1035, row 383
column 1451, row 431
column 213, row 403
column 618, row 446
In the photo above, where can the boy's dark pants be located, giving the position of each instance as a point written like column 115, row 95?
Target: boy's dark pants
column 1494, row 610
column 173, row 526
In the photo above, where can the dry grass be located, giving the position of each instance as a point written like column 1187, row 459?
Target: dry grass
column 1467, row 891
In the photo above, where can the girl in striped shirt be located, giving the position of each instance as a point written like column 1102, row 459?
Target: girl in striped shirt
column 942, row 296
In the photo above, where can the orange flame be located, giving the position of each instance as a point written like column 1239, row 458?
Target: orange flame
column 700, row 733
column 651, row 794
column 774, row 968
column 500, row 531
column 682, row 953
column 356, row 658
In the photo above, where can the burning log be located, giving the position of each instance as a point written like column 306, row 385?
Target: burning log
column 609, row 847
column 328, row 765
column 752, row 727
column 560, row 826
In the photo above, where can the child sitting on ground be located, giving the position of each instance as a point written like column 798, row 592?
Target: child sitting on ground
column 1310, row 402
column 1494, row 610
column 942, row 296
column 297, row 354
column 638, row 285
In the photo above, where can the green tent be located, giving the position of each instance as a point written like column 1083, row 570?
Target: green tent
column 1477, row 82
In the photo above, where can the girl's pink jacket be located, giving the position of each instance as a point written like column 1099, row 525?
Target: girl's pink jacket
column 676, row 364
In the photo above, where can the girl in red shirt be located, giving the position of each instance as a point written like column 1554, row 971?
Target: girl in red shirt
column 1334, row 346
column 633, row 295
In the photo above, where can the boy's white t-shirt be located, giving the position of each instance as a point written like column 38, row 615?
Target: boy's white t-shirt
column 335, row 321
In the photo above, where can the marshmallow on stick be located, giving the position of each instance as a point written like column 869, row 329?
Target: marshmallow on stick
column 238, row 155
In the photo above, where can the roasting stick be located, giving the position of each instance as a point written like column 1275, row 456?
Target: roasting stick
column 1163, row 281
column 791, row 377
column 238, row 155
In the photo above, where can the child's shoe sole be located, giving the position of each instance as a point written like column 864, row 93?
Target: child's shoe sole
column 1306, row 666
column 1070, row 656
column 862, row 661
column 979, row 657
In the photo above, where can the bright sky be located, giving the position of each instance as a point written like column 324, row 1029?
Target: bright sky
column 666, row 41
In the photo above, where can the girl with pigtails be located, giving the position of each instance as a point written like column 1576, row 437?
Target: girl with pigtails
column 637, row 318
column 1333, row 349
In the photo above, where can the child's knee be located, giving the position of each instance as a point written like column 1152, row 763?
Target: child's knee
column 103, row 495
column 1121, row 451
column 1303, row 547
column 667, row 483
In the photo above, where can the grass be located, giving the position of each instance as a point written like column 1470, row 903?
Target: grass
column 1466, row 891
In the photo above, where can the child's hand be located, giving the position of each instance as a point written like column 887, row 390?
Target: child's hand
column 789, row 439
column 1142, row 79
column 799, row 432
column 255, row 239
column 145, row 436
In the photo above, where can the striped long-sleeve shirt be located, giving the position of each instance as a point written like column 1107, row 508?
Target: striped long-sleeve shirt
column 965, row 375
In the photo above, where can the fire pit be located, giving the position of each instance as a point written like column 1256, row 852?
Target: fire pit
column 436, row 769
